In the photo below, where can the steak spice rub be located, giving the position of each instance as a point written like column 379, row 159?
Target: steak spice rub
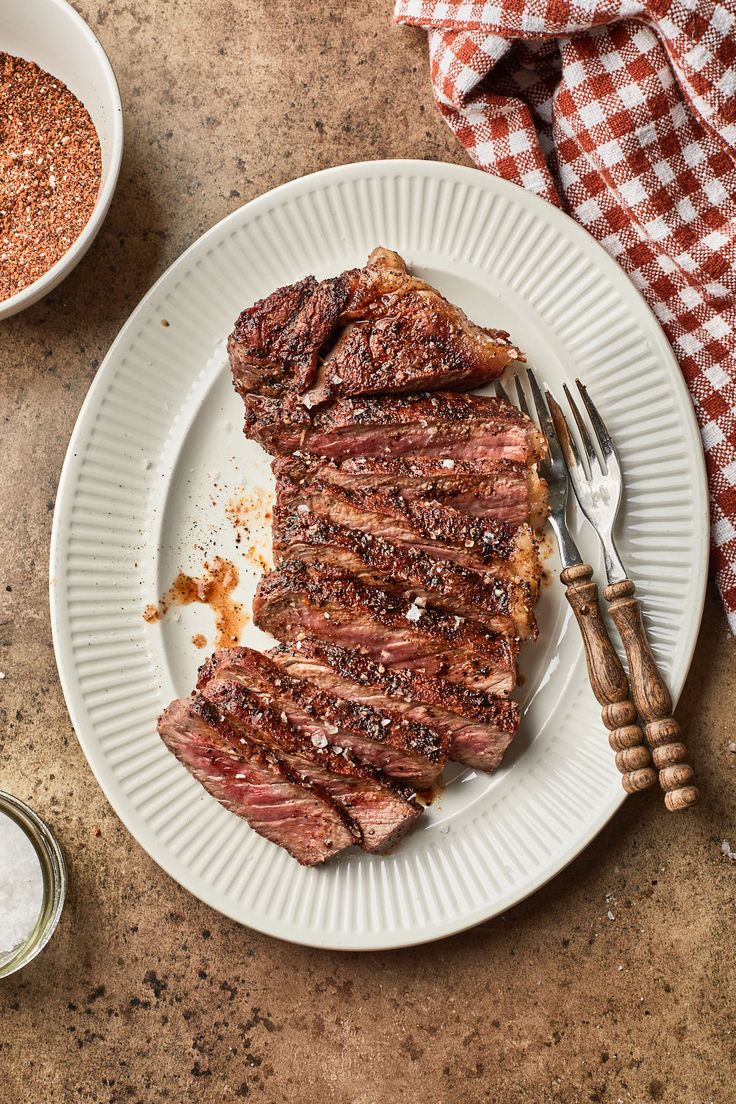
column 50, row 172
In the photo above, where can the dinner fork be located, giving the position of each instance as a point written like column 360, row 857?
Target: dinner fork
column 605, row 671
column 598, row 483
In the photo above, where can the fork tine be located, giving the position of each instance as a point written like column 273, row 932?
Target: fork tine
column 599, row 426
column 593, row 461
column 545, row 422
column 501, row 392
column 521, row 397
column 573, row 445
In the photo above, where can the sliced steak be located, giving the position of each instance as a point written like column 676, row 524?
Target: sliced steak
column 252, row 783
column 424, row 525
column 299, row 600
column 377, row 813
column 479, row 726
column 501, row 604
column 399, row 335
column 385, row 738
column 445, row 424
column 502, row 490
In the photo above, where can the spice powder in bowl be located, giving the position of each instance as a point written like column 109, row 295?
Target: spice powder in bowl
column 50, row 172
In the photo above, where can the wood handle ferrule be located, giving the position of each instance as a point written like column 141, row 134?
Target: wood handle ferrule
column 652, row 699
column 608, row 681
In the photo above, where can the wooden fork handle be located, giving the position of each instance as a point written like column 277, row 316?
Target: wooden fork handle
column 609, row 682
column 652, row 700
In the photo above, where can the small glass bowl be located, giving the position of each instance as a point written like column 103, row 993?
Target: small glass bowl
column 53, row 869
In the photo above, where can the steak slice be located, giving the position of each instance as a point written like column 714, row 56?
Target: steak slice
column 500, row 604
column 425, row 525
column 377, row 814
column 399, row 335
column 503, row 490
column 299, row 600
column 445, row 424
column 384, row 738
column 479, row 726
column 253, row 784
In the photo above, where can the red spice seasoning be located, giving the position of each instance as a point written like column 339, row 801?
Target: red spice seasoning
column 50, row 172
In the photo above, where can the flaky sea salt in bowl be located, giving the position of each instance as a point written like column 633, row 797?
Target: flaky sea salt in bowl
column 32, row 884
column 52, row 35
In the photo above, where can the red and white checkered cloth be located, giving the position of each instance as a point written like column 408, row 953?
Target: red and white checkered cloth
column 623, row 113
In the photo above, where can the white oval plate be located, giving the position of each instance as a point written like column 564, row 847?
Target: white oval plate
column 157, row 453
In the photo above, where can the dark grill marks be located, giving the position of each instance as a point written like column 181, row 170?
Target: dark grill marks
column 501, row 604
column 300, row 600
column 479, row 726
column 472, row 427
column 504, row 490
column 501, row 490
column 377, row 813
column 399, row 335
column 436, row 529
column 276, row 342
column 403, row 749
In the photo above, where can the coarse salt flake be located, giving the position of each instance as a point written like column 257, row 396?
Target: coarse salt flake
column 21, row 887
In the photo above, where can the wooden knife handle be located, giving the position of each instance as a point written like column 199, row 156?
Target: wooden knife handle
column 609, row 682
column 652, row 700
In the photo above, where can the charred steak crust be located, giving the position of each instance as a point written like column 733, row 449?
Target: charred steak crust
column 480, row 727
column 439, row 530
column 371, row 329
column 276, row 342
column 501, row 604
column 500, row 490
column 376, row 811
column 445, row 406
column 324, row 585
column 299, row 600
column 444, row 424
column 407, row 686
column 410, row 752
column 252, row 783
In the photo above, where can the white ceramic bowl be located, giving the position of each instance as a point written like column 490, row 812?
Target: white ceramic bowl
column 53, row 35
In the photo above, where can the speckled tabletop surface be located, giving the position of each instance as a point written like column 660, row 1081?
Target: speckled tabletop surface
column 146, row 995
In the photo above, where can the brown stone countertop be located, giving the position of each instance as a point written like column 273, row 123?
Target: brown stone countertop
column 145, row 995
